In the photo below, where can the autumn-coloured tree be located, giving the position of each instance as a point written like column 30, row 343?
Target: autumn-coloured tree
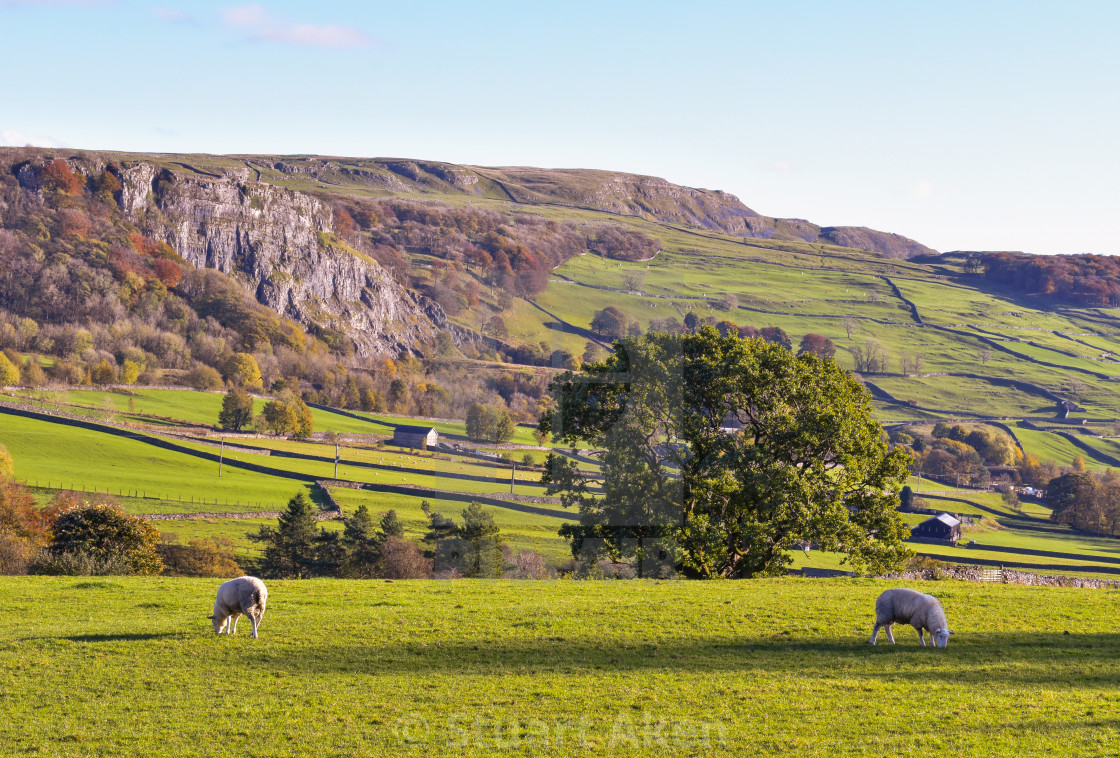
column 108, row 185
column 495, row 326
column 59, row 178
column 75, row 223
column 777, row 335
column 130, row 372
column 242, row 371
column 168, row 272
column 103, row 372
column 237, row 410
column 9, row 374
column 289, row 415
column 23, row 527
column 818, row 345
column 344, row 225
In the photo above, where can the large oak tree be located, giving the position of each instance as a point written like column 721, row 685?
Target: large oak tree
column 721, row 454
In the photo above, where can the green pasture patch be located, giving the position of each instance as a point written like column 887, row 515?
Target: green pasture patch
column 1052, row 448
column 58, row 456
column 131, row 665
column 1062, row 359
column 191, row 406
column 965, row 396
column 1108, row 446
column 1060, row 539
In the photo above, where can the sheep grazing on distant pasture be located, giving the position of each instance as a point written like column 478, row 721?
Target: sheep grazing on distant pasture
column 921, row 611
column 244, row 595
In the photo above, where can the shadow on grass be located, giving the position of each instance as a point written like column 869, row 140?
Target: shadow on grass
column 126, row 637
column 1087, row 660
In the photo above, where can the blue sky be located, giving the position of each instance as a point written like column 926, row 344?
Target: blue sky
column 965, row 125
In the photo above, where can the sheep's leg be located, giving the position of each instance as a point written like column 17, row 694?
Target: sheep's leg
column 256, row 619
column 225, row 625
column 921, row 638
column 890, row 634
column 875, row 633
column 235, row 617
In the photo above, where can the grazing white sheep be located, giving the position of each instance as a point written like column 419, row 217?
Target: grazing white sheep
column 921, row 611
column 247, row 595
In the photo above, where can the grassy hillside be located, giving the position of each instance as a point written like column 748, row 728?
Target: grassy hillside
column 184, row 480
column 557, row 668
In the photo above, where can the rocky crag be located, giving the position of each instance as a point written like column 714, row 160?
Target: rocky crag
column 279, row 244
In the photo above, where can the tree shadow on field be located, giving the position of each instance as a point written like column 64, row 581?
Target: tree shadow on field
column 1051, row 658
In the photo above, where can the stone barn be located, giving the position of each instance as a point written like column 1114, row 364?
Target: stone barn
column 943, row 528
column 415, row 436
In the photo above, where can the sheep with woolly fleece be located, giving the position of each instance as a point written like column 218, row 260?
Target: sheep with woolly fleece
column 244, row 595
column 919, row 610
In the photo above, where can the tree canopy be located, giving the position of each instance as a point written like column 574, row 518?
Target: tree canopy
column 288, row 414
column 237, row 409
column 610, row 322
column 489, row 423
column 807, row 462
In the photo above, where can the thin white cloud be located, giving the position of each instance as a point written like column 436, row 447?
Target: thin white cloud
column 257, row 24
column 46, row 3
column 172, row 15
column 245, row 16
column 923, row 189
column 15, row 138
column 778, row 166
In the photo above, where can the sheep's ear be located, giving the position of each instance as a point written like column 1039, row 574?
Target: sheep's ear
column 211, row 617
column 950, row 631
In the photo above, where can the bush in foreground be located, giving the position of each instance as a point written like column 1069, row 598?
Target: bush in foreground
column 98, row 537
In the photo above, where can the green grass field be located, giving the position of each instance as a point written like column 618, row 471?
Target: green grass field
column 150, row 480
column 1052, row 448
column 54, row 455
column 552, row 668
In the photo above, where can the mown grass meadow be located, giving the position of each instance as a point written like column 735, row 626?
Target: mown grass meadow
column 127, row 665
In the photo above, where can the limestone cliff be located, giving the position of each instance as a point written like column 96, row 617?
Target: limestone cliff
column 279, row 244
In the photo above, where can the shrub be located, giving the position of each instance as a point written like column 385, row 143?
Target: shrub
column 100, row 535
column 528, row 564
column 23, row 528
column 203, row 377
column 82, row 563
column 403, row 560
column 7, row 465
column 203, row 557
column 9, row 374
